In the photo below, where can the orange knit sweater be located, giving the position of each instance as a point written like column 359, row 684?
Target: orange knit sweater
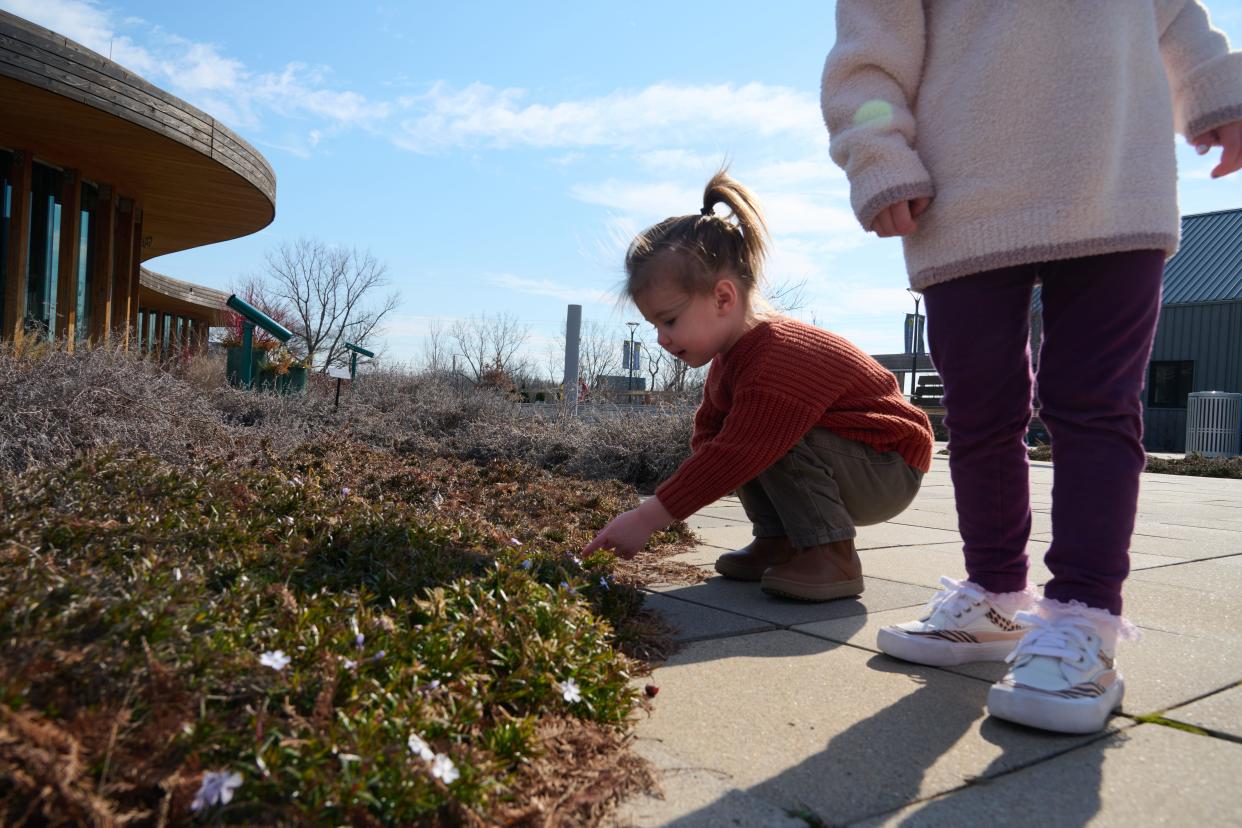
column 780, row 380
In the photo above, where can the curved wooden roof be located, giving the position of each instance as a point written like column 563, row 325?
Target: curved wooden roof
column 164, row 293
column 196, row 181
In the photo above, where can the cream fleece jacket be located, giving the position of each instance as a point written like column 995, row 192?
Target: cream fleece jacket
column 1042, row 130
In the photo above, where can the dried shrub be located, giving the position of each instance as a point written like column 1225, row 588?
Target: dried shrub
column 54, row 404
column 413, row 596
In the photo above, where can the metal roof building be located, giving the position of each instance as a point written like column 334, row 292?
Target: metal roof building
column 1198, row 344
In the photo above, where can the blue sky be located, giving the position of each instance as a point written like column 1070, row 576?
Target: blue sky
column 499, row 156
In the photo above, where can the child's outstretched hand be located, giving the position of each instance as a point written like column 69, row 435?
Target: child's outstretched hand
column 1229, row 139
column 628, row 532
column 899, row 219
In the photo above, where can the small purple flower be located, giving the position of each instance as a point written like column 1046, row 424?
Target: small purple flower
column 603, row 581
column 527, row 564
column 217, row 788
column 514, row 542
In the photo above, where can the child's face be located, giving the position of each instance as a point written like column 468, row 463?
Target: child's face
column 693, row 328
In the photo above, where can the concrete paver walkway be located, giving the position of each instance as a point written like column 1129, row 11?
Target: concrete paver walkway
column 780, row 713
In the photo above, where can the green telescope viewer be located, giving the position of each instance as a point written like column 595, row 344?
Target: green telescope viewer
column 257, row 317
column 353, row 357
column 252, row 316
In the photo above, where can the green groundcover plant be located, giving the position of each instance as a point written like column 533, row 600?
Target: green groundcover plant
column 334, row 636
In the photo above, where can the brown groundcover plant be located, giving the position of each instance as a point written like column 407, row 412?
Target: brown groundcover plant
column 419, row 606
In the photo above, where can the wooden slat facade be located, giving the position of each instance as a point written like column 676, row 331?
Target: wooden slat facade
column 168, row 177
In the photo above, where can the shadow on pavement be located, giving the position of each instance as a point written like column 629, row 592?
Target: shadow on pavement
column 879, row 764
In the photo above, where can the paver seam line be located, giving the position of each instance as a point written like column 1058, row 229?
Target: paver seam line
column 1187, row 727
column 1195, row 526
column 735, row 634
column 709, row 606
column 977, row 781
column 874, row 548
column 1148, row 718
column 776, row 625
column 1181, row 562
column 874, row 651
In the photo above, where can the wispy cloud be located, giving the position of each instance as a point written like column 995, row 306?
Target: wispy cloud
column 202, row 74
column 545, row 287
column 661, row 114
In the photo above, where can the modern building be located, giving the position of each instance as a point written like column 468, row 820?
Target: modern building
column 99, row 172
column 1198, row 343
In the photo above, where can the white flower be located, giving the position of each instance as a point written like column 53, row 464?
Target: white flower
column 443, row 768
column 514, row 542
column 420, row 748
column 570, row 690
column 350, row 664
column 527, row 564
column 295, row 481
column 276, row 659
column 177, row 572
column 287, row 520
column 217, row 787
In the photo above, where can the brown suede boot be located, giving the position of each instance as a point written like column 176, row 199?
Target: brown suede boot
column 749, row 562
column 817, row 573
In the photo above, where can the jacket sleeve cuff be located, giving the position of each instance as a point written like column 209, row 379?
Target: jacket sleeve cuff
column 1212, row 95
column 876, row 202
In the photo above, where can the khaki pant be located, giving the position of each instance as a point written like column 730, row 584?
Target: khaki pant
column 825, row 486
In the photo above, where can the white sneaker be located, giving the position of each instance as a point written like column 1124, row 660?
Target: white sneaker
column 959, row 624
column 1062, row 677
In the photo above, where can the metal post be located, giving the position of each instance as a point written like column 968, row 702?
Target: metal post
column 337, row 402
column 353, row 365
column 573, row 335
column 247, row 353
column 630, row 366
column 917, row 345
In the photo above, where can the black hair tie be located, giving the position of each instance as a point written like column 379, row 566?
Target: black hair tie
column 706, row 211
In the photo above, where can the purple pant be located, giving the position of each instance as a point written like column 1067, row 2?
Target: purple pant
column 1099, row 318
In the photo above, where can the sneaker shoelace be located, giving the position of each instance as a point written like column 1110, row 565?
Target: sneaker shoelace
column 1065, row 638
column 955, row 598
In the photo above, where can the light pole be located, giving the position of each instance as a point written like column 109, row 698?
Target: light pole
column 630, row 364
column 916, row 343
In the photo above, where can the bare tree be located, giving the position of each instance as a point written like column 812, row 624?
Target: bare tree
column 435, row 348
column 787, row 296
column 331, row 294
column 657, row 357
column 490, row 344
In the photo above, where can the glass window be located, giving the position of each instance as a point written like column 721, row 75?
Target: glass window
column 46, row 197
column 1169, row 383
column 86, row 257
column 6, row 212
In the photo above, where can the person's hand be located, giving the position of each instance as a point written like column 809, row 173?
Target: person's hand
column 1229, row 139
column 628, row 532
column 899, row 219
